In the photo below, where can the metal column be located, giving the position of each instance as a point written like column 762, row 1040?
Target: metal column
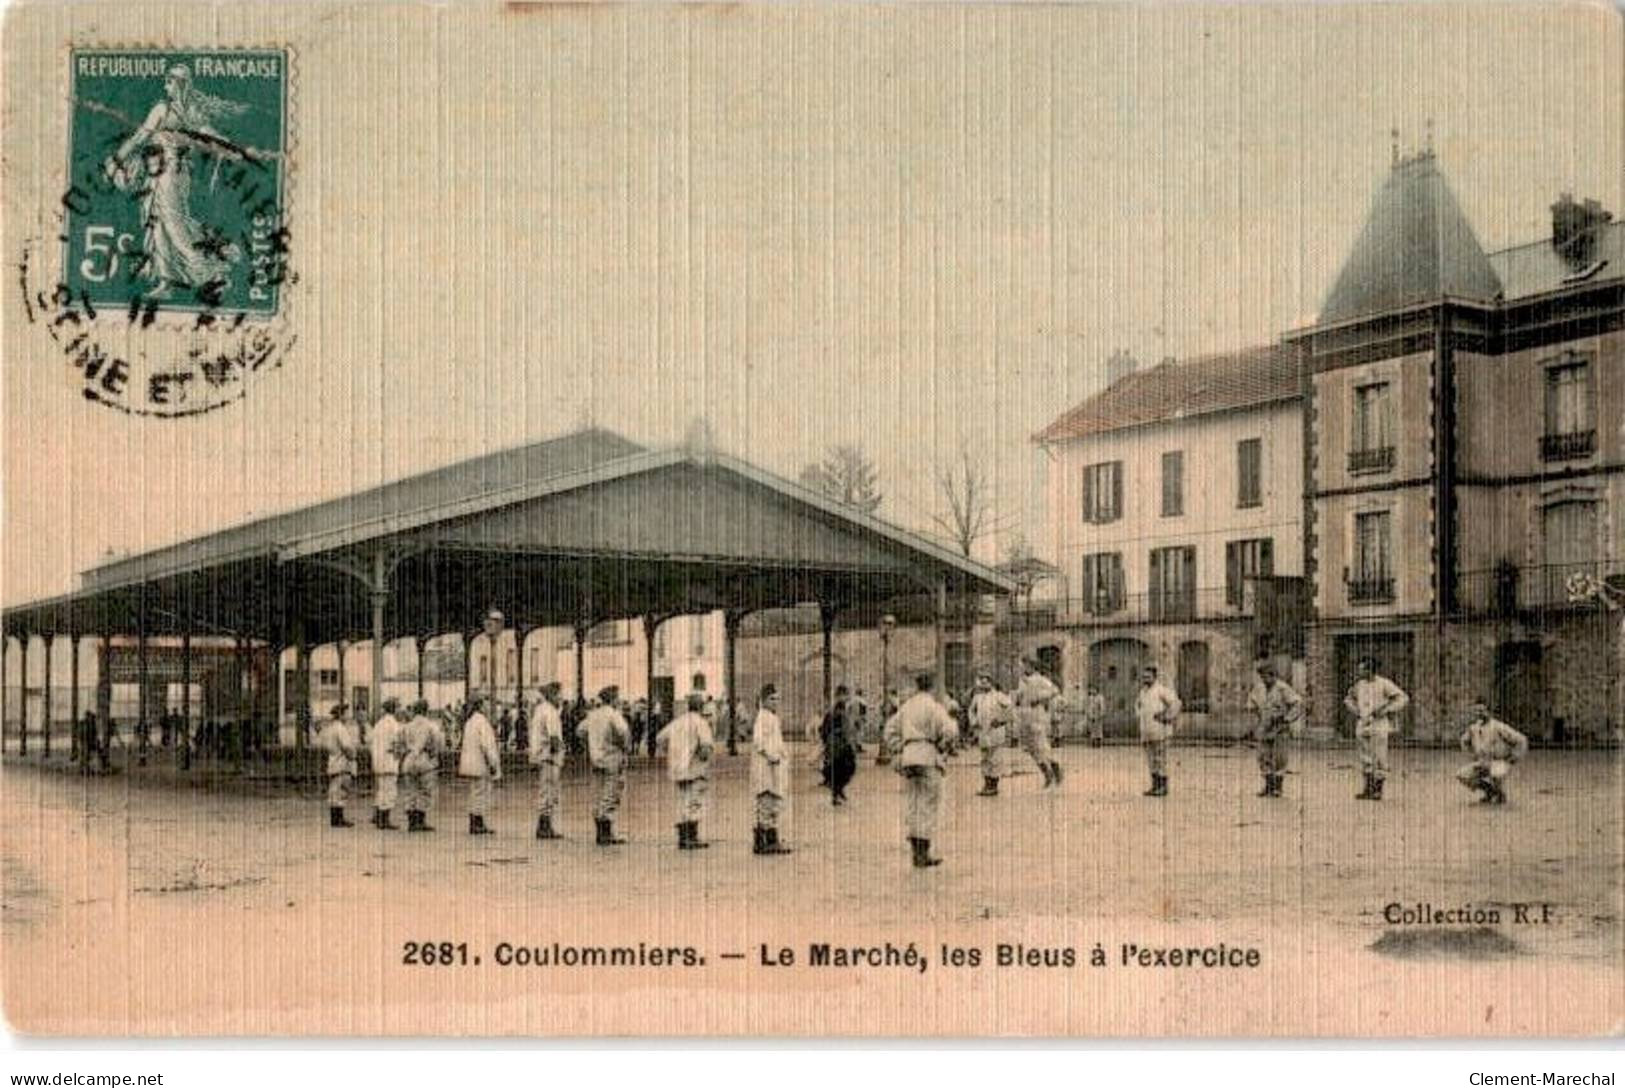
column 826, row 619
column 380, row 597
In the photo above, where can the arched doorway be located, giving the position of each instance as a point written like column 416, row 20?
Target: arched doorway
column 1114, row 668
column 1049, row 662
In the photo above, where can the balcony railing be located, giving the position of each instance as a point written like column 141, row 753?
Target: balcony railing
column 1376, row 459
column 1514, row 591
column 1567, row 447
column 1112, row 609
column 1371, row 590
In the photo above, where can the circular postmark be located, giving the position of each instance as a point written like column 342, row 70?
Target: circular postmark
column 163, row 285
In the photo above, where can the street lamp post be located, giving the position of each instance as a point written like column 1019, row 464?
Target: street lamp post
column 888, row 624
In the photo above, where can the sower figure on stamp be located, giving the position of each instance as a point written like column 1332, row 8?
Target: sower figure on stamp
column 335, row 738
column 422, row 742
column 1156, row 708
column 1374, row 700
column 609, row 746
column 921, row 734
column 480, row 763
column 1033, row 697
column 387, row 748
column 1495, row 747
column 769, row 773
column 1279, row 710
column 689, row 744
column 990, row 714
column 547, row 756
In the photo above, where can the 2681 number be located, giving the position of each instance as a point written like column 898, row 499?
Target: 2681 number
column 435, row 954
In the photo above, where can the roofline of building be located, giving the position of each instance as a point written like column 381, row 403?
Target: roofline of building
column 1045, row 440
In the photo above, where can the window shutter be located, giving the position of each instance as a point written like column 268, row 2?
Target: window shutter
column 1266, row 558
column 1117, row 490
column 1232, row 572
column 1089, row 494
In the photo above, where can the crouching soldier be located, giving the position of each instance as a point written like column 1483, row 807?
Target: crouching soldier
column 609, row 746
column 422, row 741
column 1495, row 746
column 990, row 714
column 335, row 738
column 547, row 755
column 689, row 743
column 386, row 749
column 480, row 763
column 769, row 773
column 921, row 733
column 1279, row 710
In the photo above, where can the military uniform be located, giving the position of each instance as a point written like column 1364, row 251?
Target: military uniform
column 386, row 749
column 338, row 741
column 1156, row 708
column 769, row 780
column 1279, row 710
column 547, row 756
column 1495, row 746
column 921, row 733
column 1094, row 717
column 689, row 742
column 1033, row 697
column 1374, row 703
column 609, row 740
column 422, row 740
column 990, row 714
column 481, row 763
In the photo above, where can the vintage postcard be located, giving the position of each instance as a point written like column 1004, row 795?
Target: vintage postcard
column 820, row 519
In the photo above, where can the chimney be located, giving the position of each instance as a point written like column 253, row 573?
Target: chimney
column 1576, row 229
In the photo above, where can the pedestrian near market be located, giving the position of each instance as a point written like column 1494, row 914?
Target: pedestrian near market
column 1495, row 747
column 547, row 756
column 1157, row 708
column 387, row 748
column 769, row 773
column 609, row 745
column 1094, row 716
column 336, row 739
column 1033, row 697
column 991, row 711
column 422, row 742
column 839, row 734
column 922, row 734
column 481, row 763
column 1279, row 712
column 1374, row 700
column 689, row 744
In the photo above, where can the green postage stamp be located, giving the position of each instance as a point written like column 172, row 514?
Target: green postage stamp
column 177, row 174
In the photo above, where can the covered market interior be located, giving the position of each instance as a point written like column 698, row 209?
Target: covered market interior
column 569, row 532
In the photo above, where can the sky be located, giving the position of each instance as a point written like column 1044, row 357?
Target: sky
column 911, row 228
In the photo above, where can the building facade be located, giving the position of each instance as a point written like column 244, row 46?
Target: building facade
column 1174, row 503
column 1463, row 416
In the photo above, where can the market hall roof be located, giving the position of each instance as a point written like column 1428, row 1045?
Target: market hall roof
column 582, row 528
column 1231, row 381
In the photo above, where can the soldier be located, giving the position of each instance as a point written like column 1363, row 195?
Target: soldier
column 1495, row 746
column 1033, row 696
column 1157, row 709
column 547, row 756
column 769, row 773
column 990, row 714
column 387, row 749
column 481, row 763
column 689, row 744
column 422, row 741
column 921, row 734
column 1094, row 716
column 609, row 743
column 1374, row 700
column 1279, row 710
column 335, row 738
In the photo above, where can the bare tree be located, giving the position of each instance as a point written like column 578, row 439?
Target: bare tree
column 846, row 475
column 966, row 492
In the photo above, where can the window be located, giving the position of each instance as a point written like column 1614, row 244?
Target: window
column 696, row 636
column 662, row 642
column 1103, row 583
column 1173, row 483
column 1191, row 676
column 1103, row 492
column 1244, row 559
column 608, row 633
column 1173, row 583
column 1570, row 420
column 1371, row 440
column 327, row 678
column 535, row 662
column 513, row 664
column 485, row 672
column 1372, row 581
column 1250, row 472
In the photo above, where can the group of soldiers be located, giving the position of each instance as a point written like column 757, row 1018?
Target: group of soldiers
column 920, row 735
